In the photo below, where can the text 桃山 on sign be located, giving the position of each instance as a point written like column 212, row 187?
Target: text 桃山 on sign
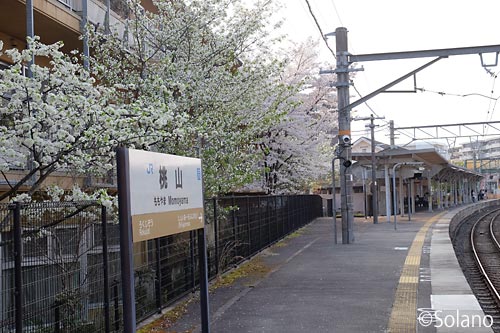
column 166, row 194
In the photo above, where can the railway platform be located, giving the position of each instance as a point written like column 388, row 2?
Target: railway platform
column 404, row 280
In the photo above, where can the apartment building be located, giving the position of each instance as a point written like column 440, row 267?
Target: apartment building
column 482, row 156
column 53, row 21
column 58, row 20
column 49, row 246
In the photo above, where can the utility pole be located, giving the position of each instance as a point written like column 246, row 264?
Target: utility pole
column 373, row 187
column 107, row 29
column 475, row 152
column 344, row 59
column 85, row 39
column 30, row 32
column 374, row 171
column 391, row 131
column 344, row 136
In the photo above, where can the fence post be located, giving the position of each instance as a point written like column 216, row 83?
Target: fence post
column 276, row 220
column 248, row 228
column 158, row 275
column 57, row 318
column 18, row 269
column 216, row 237
column 191, row 256
column 287, row 214
column 233, row 216
column 116, row 305
column 260, row 223
column 303, row 213
column 283, row 218
column 105, row 259
column 268, row 218
column 205, row 311
column 305, row 210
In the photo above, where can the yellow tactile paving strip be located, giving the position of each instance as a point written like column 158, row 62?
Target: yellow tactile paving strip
column 404, row 310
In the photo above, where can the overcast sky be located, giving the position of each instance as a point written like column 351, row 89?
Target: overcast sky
column 394, row 25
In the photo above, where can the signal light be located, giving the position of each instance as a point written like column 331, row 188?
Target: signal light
column 347, row 163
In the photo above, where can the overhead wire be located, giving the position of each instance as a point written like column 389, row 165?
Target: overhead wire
column 319, row 28
column 492, row 100
column 491, row 104
column 324, row 18
column 387, row 122
column 384, row 127
column 442, row 93
column 337, row 12
column 378, row 130
column 365, row 102
column 328, row 46
column 491, row 111
column 413, row 139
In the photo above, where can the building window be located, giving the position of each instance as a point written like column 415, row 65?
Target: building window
column 4, row 65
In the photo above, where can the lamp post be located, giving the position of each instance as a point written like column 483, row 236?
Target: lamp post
column 394, row 187
column 346, row 164
column 334, row 206
column 394, row 197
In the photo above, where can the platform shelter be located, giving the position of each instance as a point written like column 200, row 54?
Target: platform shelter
column 424, row 180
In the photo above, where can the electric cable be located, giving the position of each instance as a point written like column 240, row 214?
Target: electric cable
column 337, row 12
column 492, row 100
column 366, row 103
column 319, row 28
column 491, row 111
column 442, row 93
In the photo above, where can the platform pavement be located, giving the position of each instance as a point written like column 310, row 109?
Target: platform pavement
column 313, row 285
column 451, row 293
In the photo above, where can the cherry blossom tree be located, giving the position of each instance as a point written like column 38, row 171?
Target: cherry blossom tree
column 297, row 150
column 198, row 77
column 57, row 120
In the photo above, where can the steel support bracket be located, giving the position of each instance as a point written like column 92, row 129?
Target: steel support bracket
column 489, row 65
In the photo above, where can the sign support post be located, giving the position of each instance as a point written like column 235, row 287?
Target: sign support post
column 205, row 313
column 126, row 256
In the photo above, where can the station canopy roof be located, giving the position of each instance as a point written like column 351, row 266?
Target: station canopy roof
column 440, row 168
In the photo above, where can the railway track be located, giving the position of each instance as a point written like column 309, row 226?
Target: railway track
column 478, row 252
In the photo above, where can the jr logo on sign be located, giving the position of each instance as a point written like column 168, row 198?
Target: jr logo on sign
column 163, row 177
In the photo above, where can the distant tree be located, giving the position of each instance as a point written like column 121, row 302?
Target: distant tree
column 297, row 150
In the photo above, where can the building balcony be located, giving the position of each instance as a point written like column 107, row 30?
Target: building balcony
column 58, row 20
column 53, row 21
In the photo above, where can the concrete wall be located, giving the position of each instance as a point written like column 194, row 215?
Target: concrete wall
column 357, row 204
column 467, row 211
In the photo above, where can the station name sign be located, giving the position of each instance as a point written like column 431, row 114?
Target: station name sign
column 166, row 194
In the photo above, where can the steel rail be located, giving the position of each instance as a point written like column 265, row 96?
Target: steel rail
column 480, row 264
column 493, row 237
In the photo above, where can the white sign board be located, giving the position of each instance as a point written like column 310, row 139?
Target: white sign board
column 166, row 194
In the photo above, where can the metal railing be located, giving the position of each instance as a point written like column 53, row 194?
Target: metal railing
column 237, row 228
column 56, row 263
column 68, row 3
column 60, row 262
